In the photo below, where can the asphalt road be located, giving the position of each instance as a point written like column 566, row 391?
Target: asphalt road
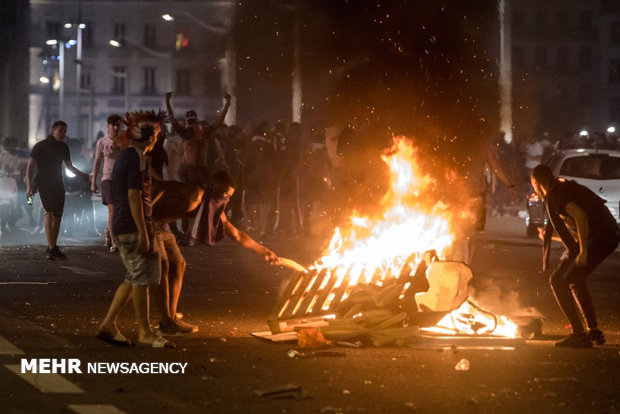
column 52, row 310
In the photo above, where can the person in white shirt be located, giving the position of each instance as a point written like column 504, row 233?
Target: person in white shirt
column 106, row 151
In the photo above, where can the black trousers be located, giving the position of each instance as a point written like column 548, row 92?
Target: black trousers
column 567, row 282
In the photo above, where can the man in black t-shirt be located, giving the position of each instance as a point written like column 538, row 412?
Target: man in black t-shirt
column 47, row 157
column 590, row 234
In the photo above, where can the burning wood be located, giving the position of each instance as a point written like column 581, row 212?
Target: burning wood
column 381, row 277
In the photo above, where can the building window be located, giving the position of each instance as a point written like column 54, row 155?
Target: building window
column 562, row 56
column 119, row 32
column 585, row 57
column 149, row 81
column 585, row 19
column 540, row 56
column 518, row 57
column 614, row 33
column 614, row 70
column 212, row 81
column 150, row 36
column 52, row 30
column 87, row 35
column 118, row 80
column 183, row 82
column 85, row 78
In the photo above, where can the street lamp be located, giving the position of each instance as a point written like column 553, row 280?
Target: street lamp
column 61, row 74
column 161, row 55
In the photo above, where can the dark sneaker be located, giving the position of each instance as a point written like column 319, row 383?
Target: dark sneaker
column 58, row 254
column 597, row 336
column 575, row 340
column 49, row 254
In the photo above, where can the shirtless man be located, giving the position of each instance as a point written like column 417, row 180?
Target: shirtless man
column 194, row 137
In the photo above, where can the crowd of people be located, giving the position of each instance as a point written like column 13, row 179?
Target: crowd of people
column 248, row 182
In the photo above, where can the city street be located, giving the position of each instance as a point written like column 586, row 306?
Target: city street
column 52, row 310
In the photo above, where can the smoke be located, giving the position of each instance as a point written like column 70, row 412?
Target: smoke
column 492, row 297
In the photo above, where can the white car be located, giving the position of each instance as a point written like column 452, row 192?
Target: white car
column 599, row 170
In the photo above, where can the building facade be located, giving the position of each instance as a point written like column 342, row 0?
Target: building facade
column 89, row 59
column 565, row 65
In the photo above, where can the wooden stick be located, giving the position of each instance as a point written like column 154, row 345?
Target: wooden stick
column 292, row 264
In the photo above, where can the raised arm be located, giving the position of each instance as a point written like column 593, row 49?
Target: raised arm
column 176, row 126
column 218, row 123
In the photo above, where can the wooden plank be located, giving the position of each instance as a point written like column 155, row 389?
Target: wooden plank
column 339, row 293
column 317, row 308
column 285, row 297
column 302, row 310
column 297, row 294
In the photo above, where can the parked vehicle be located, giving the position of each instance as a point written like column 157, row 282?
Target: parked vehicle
column 598, row 170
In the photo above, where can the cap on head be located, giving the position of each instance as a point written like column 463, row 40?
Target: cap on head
column 191, row 115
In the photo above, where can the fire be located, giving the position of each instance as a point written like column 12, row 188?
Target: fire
column 371, row 250
column 471, row 319
column 376, row 248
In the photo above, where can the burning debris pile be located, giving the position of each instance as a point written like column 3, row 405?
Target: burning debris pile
column 382, row 279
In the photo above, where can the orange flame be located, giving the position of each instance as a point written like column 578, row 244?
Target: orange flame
column 469, row 319
column 376, row 248
column 373, row 249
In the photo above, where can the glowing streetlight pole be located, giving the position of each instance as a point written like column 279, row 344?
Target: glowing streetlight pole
column 61, row 74
column 505, row 71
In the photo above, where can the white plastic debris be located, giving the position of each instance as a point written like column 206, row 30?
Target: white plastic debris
column 462, row 365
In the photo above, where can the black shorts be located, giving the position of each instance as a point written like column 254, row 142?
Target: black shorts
column 106, row 192
column 53, row 201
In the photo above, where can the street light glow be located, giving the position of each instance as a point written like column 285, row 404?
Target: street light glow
column 51, row 42
column 73, row 42
column 583, row 133
column 44, row 79
column 68, row 25
column 611, row 129
column 167, row 17
column 115, row 43
column 82, row 26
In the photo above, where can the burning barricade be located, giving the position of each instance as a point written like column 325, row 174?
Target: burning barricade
column 384, row 279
